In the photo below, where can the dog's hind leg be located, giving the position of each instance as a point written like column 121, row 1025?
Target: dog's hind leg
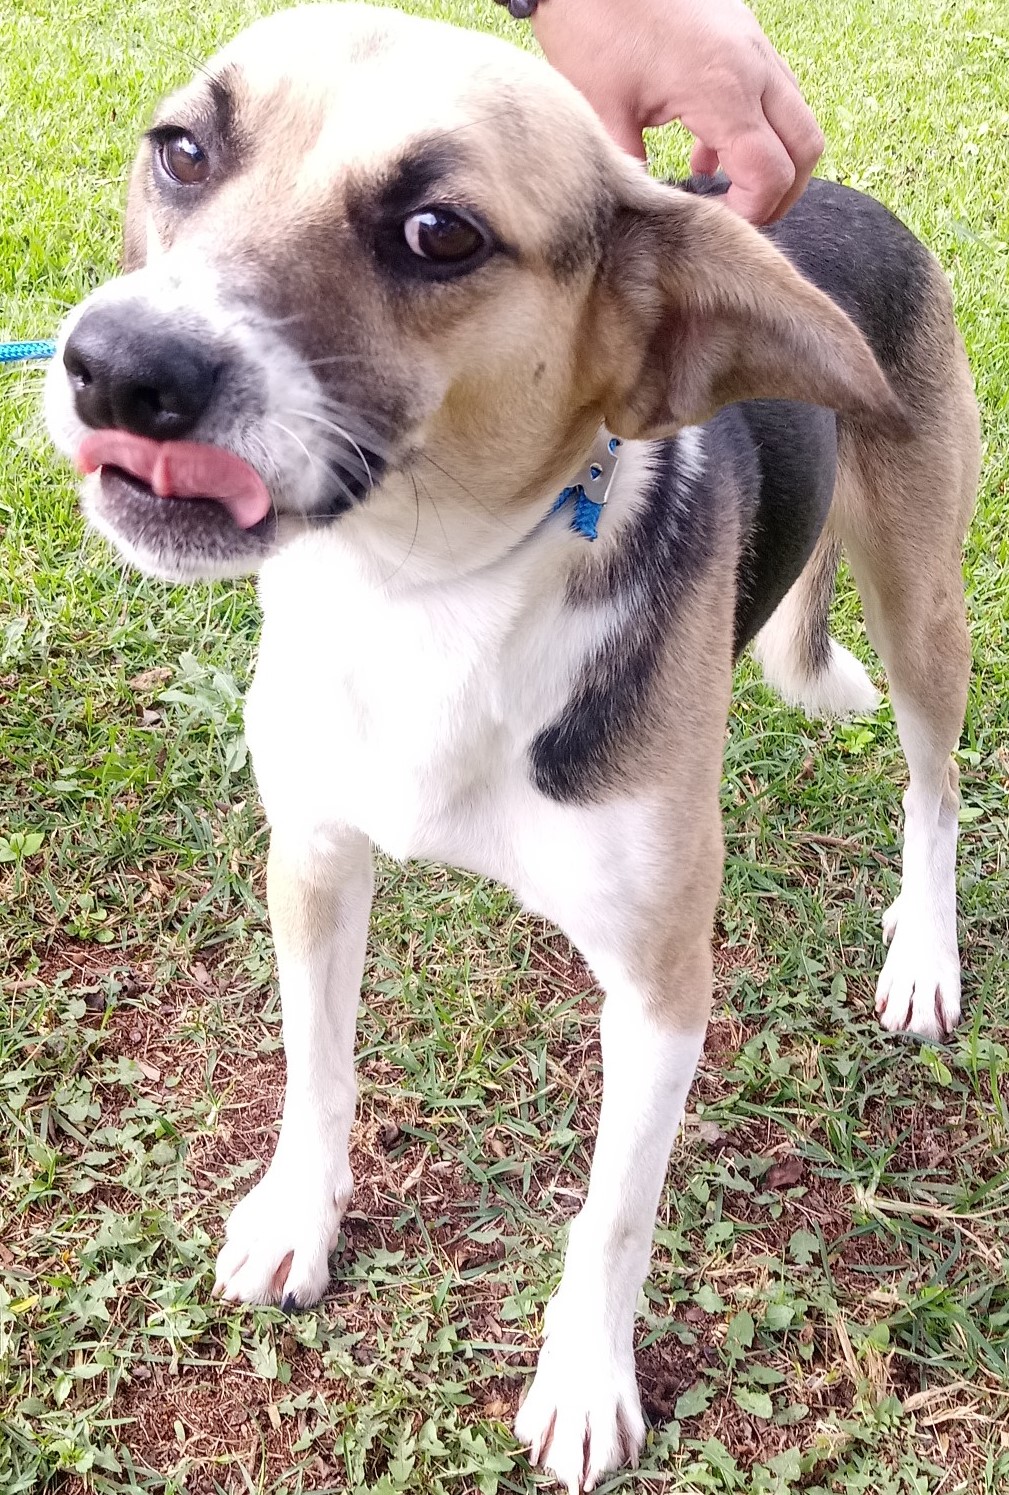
column 796, row 653
column 902, row 512
column 279, row 1237
column 915, row 617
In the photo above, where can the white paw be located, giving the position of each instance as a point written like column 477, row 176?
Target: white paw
column 918, row 990
column 279, row 1238
column 890, row 920
column 582, row 1415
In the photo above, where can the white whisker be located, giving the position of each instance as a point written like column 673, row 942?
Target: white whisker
column 295, row 438
column 340, row 431
column 350, row 415
column 318, row 363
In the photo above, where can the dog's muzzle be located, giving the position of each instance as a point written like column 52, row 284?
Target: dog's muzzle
column 158, row 408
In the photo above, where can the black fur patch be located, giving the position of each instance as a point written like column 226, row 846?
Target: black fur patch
column 415, row 181
column 222, row 89
column 772, row 463
column 423, row 177
column 795, row 447
column 666, row 545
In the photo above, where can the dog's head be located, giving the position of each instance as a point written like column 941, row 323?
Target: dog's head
column 369, row 256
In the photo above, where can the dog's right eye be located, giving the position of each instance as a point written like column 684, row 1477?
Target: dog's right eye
column 183, row 159
column 443, row 236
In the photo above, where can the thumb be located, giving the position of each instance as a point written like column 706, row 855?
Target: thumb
column 703, row 160
column 761, row 172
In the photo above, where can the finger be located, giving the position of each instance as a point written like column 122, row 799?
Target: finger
column 625, row 131
column 703, row 160
column 794, row 123
column 761, row 172
column 787, row 71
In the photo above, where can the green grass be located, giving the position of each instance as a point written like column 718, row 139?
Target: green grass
column 829, row 1309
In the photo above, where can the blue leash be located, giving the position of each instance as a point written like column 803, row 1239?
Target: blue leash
column 26, row 352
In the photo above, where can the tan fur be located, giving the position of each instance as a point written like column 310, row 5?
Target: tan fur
column 901, row 510
column 707, row 315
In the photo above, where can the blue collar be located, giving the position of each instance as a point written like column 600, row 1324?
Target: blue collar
column 590, row 489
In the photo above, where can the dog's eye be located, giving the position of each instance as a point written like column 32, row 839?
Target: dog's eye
column 184, row 160
column 443, row 235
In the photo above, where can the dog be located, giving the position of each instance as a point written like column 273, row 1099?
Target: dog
column 526, row 447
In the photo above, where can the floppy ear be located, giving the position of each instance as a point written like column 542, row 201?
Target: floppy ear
column 699, row 310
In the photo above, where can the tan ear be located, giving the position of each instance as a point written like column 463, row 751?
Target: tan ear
column 699, row 310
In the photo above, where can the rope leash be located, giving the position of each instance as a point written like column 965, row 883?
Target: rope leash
column 30, row 352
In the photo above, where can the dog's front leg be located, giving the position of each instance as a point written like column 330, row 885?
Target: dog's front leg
column 280, row 1236
column 582, row 1415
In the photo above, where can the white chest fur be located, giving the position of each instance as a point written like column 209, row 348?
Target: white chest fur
column 409, row 716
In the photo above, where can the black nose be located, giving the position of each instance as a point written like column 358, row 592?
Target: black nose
column 130, row 370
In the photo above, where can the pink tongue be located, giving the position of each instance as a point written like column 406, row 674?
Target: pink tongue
column 180, row 469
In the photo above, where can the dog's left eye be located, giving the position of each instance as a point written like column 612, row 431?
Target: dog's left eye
column 443, row 235
column 184, row 160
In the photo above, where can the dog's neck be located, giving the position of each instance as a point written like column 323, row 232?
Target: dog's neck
column 424, row 524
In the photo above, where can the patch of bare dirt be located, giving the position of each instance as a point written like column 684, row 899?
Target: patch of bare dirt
column 224, row 1421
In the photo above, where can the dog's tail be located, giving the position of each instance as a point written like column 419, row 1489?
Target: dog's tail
column 797, row 654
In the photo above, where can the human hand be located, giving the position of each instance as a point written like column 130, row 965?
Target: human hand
column 704, row 62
